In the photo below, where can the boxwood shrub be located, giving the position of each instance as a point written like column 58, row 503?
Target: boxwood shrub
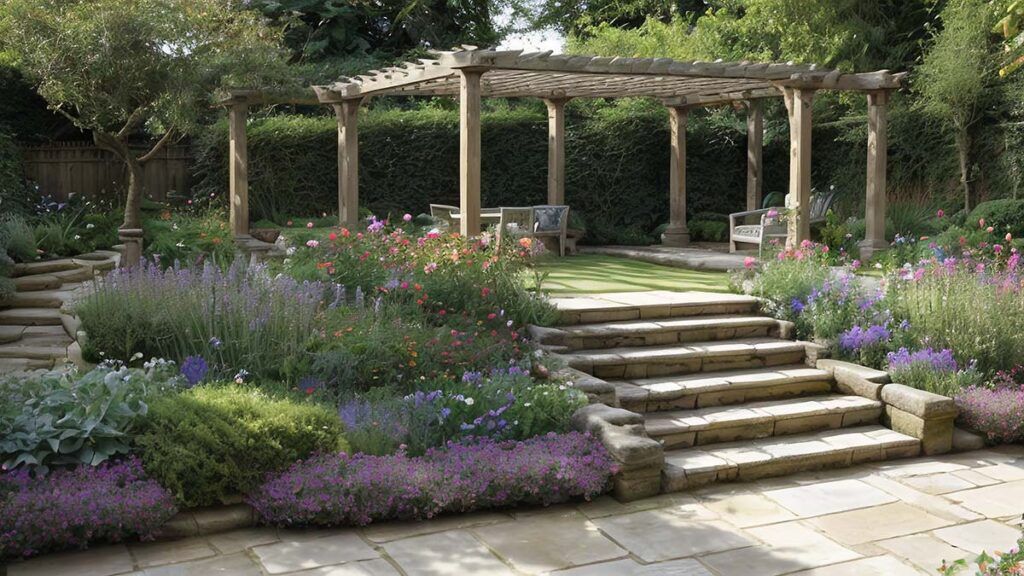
column 212, row 443
column 1006, row 215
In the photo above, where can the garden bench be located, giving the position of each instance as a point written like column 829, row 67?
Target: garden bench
column 770, row 227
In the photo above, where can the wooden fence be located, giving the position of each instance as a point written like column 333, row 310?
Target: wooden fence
column 65, row 168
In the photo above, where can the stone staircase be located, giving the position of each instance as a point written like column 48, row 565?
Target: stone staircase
column 724, row 390
column 36, row 328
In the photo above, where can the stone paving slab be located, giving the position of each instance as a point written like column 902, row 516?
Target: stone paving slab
column 873, row 519
column 691, row 258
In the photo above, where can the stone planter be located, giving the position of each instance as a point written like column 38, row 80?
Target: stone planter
column 268, row 235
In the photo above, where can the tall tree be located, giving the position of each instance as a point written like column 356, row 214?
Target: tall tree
column 956, row 72
column 137, row 71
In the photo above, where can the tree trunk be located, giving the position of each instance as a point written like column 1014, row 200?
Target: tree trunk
column 133, row 204
column 963, row 148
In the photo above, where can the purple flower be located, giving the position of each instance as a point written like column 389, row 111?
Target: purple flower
column 476, row 473
column 938, row 361
column 215, row 342
column 858, row 338
column 797, row 306
column 70, row 508
column 194, row 369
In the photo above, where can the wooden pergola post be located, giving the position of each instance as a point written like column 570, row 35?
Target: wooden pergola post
column 799, row 104
column 238, row 169
column 874, row 239
column 755, row 145
column 676, row 234
column 347, row 114
column 556, row 150
column 469, row 151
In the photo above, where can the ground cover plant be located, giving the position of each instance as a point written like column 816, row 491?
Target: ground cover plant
column 70, row 508
column 478, row 473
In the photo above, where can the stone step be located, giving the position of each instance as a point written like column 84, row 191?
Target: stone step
column 685, row 428
column 32, row 352
column 10, row 365
column 44, row 267
column 653, row 361
column 77, row 274
column 687, row 468
column 614, row 307
column 10, row 334
column 720, row 388
column 37, row 282
column 39, row 299
column 658, row 332
column 30, row 317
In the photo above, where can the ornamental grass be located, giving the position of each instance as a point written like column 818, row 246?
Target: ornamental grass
column 69, row 508
column 343, row 489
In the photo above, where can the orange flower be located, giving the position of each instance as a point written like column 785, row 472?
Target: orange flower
column 526, row 242
column 216, row 240
column 165, row 215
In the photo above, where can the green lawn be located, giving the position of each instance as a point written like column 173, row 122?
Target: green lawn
column 593, row 273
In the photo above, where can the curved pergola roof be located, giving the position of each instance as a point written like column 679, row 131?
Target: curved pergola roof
column 546, row 75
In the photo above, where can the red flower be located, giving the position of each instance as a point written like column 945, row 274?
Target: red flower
column 332, row 236
column 345, row 232
column 485, row 292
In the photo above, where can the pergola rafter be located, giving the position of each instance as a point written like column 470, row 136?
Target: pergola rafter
column 470, row 74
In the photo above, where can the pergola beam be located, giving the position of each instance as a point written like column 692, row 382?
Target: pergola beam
column 469, row 152
column 677, row 234
column 755, row 153
column 800, row 105
column 556, row 151
column 874, row 237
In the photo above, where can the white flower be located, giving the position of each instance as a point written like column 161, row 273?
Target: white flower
column 78, row 236
column 290, row 251
column 469, row 401
column 528, row 404
column 90, row 226
column 180, row 244
column 561, row 387
column 878, row 265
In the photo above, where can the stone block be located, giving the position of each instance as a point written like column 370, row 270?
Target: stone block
column 633, row 451
column 596, row 389
column 849, row 382
column 964, row 440
column 181, row 525
column 835, row 367
column 223, row 518
column 593, row 418
column 922, row 404
column 637, row 484
column 814, row 352
column 936, row 434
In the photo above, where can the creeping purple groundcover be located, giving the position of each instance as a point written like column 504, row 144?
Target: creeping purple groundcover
column 342, row 489
column 70, row 508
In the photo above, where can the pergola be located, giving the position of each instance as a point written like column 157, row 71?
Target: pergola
column 471, row 74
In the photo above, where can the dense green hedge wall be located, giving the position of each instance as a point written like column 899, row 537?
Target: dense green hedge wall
column 616, row 163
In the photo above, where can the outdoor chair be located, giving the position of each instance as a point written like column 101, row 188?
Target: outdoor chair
column 515, row 222
column 551, row 222
column 770, row 227
column 443, row 213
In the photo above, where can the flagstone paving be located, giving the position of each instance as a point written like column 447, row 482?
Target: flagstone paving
column 886, row 519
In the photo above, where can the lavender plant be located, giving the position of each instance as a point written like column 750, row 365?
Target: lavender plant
column 72, row 508
column 998, row 413
column 233, row 319
column 477, row 473
column 932, row 370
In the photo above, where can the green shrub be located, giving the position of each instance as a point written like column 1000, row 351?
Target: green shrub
column 211, row 443
column 17, row 238
column 708, row 231
column 1005, row 215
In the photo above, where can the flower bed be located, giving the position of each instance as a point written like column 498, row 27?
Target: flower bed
column 71, row 508
column 339, row 489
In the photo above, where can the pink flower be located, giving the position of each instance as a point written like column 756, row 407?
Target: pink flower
column 312, row 243
column 749, row 262
column 1009, row 237
column 806, row 244
column 309, row 224
column 981, row 223
column 940, row 213
column 990, row 229
column 997, row 248
column 407, row 217
column 772, row 213
column 856, row 264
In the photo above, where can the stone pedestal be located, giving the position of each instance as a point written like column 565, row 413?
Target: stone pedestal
column 869, row 248
column 676, row 236
column 131, row 238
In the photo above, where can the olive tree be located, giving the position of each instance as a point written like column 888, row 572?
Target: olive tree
column 957, row 71
column 137, row 73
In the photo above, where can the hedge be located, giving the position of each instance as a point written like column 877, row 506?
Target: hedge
column 1005, row 215
column 617, row 164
